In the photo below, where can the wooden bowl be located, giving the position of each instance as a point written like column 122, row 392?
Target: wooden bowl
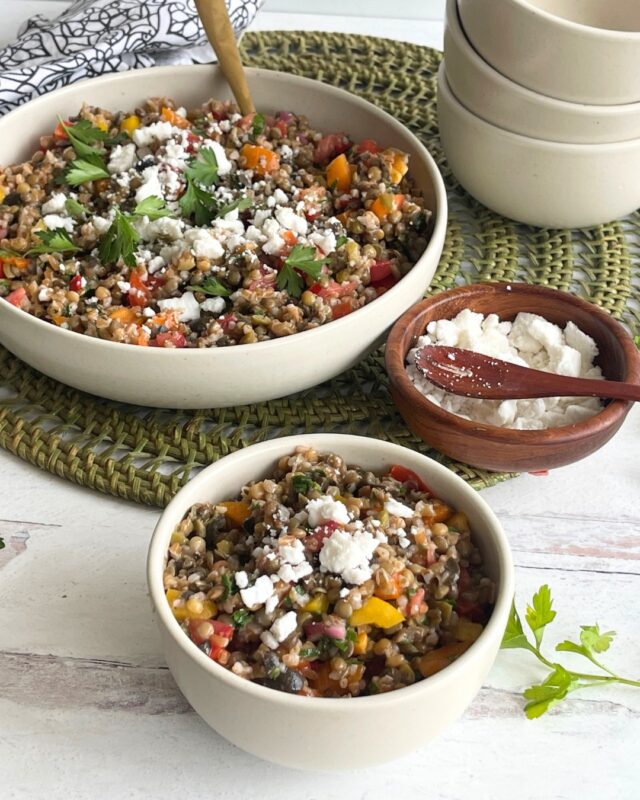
column 507, row 449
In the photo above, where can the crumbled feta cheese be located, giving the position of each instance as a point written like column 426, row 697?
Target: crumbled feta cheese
column 148, row 312
column 124, row 286
column 155, row 263
column 290, row 573
column 151, row 186
column 397, row 509
column 163, row 228
column 271, row 603
column 54, row 221
column 349, row 554
column 280, row 197
column 187, row 307
column 44, row 295
column 215, row 305
column 55, row 204
column 326, row 509
column 286, row 153
column 242, row 579
column 203, row 244
column 529, row 341
column 325, row 240
column 122, row 158
column 156, row 132
column 284, row 626
column 288, row 218
column 292, row 553
column 269, row 639
column 100, row 224
column 257, row 594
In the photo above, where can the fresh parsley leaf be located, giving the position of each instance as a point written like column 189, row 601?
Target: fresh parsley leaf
column 197, row 203
column 119, row 241
column 593, row 640
column 341, row 240
column 55, row 241
column 211, row 286
column 74, row 208
column 310, row 653
column 351, row 635
column 302, row 483
column 241, row 204
column 257, row 126
column 549, row 693
column 240, row 617
column 302, row 258
column 7, row 252
column 230, row 587
column 153, row 207
column 203, row 168
column 514, row 636
column 82, row 135
column 2, row 544
column 89, row 168
column 540, row 613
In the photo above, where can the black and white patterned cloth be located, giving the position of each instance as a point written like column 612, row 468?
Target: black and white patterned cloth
column 93, row 37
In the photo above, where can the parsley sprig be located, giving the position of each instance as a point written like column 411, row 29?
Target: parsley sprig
column 153, row 207
column 211, row 286
column 301, row 258
column 197, row 203
column 560, row 682
column 83, row 136
column 89, row 168
column 203, row 168
column 74, row 208
column 119, row 241
column 55, row 241
column 257, row 126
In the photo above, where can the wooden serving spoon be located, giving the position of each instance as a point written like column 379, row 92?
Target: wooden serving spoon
column 217, row 26
column 475, row 375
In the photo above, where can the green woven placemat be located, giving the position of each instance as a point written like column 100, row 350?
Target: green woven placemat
column 147, row 455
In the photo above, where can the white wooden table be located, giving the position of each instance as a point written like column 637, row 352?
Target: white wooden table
column 89, row 710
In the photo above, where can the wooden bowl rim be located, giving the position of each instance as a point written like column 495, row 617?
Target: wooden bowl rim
column 614, row 412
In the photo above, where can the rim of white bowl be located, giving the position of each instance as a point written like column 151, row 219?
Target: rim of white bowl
column 454, row 22
column 438, row 232
column 587, row 30
column 575, row 148
column 156, row 559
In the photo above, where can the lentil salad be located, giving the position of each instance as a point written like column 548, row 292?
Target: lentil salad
column 171, row 228
column 328, row 580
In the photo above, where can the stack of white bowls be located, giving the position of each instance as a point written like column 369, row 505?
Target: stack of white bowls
column 539, row 107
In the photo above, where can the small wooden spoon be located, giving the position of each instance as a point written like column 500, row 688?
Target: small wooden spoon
column 217, row 26
column 475, row 375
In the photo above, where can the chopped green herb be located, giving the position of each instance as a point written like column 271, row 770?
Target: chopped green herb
column 341, row 240
column 560, row 681
column 302, row 483
column 2, row 544
column 89, row 168
column 119, row 241
column 203, row 168
column 74, row 208
column 241, row 204
column 55, row 241
column 258, row 125
column 230, row 587
column 351, row 635
column 211, row 286
column 197, row 203
column 411, row 591
column 6, row 252
column 241, row 617
column 302, row 258
column 299, row 589
column 153, row 207
column 309, row 652
column 5, row 285
column 82, row 136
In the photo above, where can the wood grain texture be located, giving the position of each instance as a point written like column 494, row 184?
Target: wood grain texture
column 505, row 449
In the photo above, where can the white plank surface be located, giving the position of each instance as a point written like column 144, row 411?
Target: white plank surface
column 88, row 709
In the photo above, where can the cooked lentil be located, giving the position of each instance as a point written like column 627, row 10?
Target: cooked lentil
column 203, row 228
column 328, row 580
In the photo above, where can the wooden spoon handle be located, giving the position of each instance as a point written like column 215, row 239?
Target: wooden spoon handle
column 585, row 387
column 217, row 26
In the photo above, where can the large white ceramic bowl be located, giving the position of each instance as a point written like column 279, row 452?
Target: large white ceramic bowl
column 322, row 733
column 504, row 103
column 214, row 377
column 547, row 184
column 585, row 51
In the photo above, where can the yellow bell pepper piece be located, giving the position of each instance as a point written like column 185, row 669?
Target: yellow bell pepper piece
column 376, row 612
column 318, row 604
column 102, row 124
column 459, row 521
column 237, row 511
column 179, row 612
column 130, row 124
column 360, row 646
column 3, row 193
column 398, row 167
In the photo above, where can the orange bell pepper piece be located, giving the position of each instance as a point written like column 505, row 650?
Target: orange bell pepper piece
column 433, row 662
column 174, row 118
column 383, row 205
column 260, row 159
column 125, row 315
column 237, row 511
column 392, row 589
column 339, row 173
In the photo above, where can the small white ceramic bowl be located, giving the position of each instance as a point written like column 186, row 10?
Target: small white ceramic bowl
column 547, row 184
column 323, row 733
column 488, row 94
column 584, row 51
column 214, row 377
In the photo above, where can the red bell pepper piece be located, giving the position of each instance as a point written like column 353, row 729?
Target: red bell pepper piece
column 368, row 146
column 16, row 297
column 176, row 338
column 380, row 270
column 408, row 476
column 341, row 310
